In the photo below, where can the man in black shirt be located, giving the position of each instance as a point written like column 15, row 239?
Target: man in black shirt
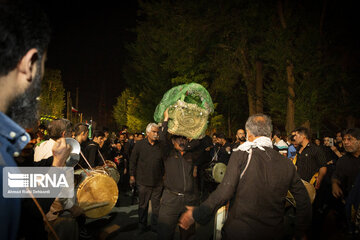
column 346, row 174
column 348, row 166
column 240, row 138
column 180, row 185
column 310, row 158
column 257, row 180
column 92, row 150
column 146, row 168
column 224, row 149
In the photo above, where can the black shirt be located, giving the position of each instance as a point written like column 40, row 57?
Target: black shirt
column 92, row 155
column 178, row 168
column 347, row 169
column 146, row 163
column 309, row 161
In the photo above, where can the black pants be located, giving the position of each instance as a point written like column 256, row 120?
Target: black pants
column 171, row 208
column 146, row 194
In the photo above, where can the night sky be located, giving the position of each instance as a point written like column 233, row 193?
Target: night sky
column 88, row 46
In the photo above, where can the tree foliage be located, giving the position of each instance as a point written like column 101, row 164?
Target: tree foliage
column 52, row 94
column 220, row 43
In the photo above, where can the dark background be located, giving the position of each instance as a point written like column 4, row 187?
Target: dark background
column 88, row 46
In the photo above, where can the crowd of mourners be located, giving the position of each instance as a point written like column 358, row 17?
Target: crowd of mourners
column 275, row 187
column 330, row 164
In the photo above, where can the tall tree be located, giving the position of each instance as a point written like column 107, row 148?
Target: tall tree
column 52, row 94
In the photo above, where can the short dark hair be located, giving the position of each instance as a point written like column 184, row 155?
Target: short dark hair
column 277, row 133
column 304, row 131
column 57, row 127
column 221, row 135
column 22, row 27
column 354, row 132
column 98, row 133
column 80, row 128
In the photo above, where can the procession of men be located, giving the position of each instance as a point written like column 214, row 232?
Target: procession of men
column 271, row 187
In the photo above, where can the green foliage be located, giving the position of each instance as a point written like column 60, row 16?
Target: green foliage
column 127, row 112
column 217, row 44
column 52, row 94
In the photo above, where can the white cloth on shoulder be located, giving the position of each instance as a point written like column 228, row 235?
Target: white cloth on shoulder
column 247, row 146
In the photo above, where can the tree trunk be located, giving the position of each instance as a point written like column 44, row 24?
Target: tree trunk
column 249, row 81
column 259, row 87
column 290, row 112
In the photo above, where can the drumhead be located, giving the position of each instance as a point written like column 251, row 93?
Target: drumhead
column 218, row 172
column 97, row 189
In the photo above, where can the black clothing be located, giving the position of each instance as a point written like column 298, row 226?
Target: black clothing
column 32, row 225
column 178, row 168
column 329, row 154
column 347, row 169
column 257, row 209
column 172, row 206
column 341, row 149
column 223, row 155
column 146, row 194
column 309, row 161
column 146, row 163
column 106, row 149
column 180, row 186
column 92, row 155
column 121, row 162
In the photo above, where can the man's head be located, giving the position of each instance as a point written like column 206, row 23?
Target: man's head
column 152, row 132
column 118, row 145
column 302, row 135
column 276, row 135
column 351, row 140
column 122, row 137
column 140, row 136
column 106, row 132
column 25, row 34
column 59, row 128
column 326, row 141
column 339, row 137
column 221, row 139
column 240, row 135
column 98, row 137
column 214, row 138
column 179, row 142
column 258, row 125
column 81, row 132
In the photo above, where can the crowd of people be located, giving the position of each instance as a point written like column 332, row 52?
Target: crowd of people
column 265, row 185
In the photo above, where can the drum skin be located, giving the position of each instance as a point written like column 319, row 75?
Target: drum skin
column 96, row 189
column 111, row 171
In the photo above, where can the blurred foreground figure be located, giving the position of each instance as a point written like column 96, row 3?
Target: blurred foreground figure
column 24, row 37
column 257, row 179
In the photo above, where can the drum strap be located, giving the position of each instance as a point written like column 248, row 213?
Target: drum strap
column 86, row 160
column 43, row 215
column 102, row 157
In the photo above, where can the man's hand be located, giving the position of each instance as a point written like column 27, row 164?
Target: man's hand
column 186, row 219
column 336, row 190
column 61, row 152
column 125, row 171
column 166, row 115
column 132, row 180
